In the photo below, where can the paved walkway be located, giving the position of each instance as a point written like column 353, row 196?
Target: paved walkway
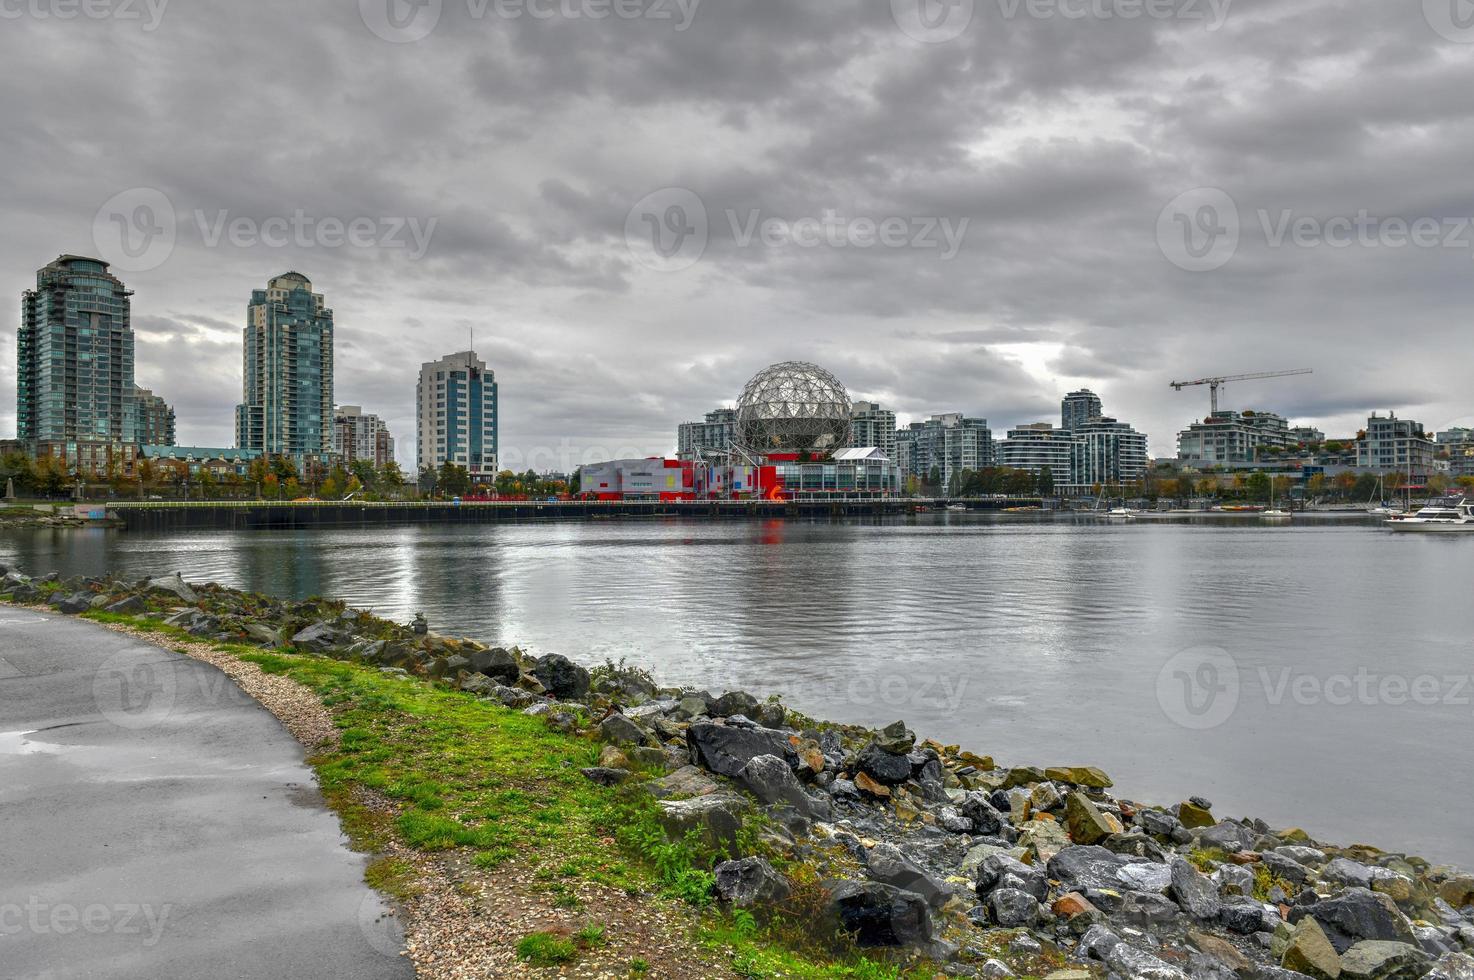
column 157, row 823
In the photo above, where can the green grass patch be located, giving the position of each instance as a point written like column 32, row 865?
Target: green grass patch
column 546, row 949
column 392, row 876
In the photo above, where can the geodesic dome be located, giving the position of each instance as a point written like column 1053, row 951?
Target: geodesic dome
column 793, row 407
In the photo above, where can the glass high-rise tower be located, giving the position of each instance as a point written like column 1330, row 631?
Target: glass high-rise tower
column 287, row 404
column 74, row 379
column 456, row 415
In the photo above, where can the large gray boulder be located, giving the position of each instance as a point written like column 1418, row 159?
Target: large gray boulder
column 750, row 881
column 877, row 914
column 724, row 749
column 174, row 585
column 498, row 664
column 886, row 863
column 882, row 766
column 621, row 731
column 716, row 818
column 561, row 677
column 1081, row 867
column 1373, row 959
column 1357, row 914
column 1005, row 871
column 769, row 779
column 1010, row 908
column 1194, row 891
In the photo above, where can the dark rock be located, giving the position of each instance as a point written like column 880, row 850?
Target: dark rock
column 1081, row 867
column 129, row 606
column 1343, row 871
column 420, row 626
column 319, row 636
column 73, row 604
column 733, row 703
column 715, row 818
column 1158, row 823
column 896, row 738
column 498, row 664
column 1287, row 868
column 877, row 914
column 985, row 817
column 1194, row 892
column 1003, row 871
column 1227, row 836
column 1010, row 908
column 606, row 776
column 1357, row 914
column 725, row 750
column 887, row 864
column 882, row 766
column 1244, row 918
column 769, row 779
column 750, row 881
column 619, row 730
column 562, row 677
column 1148, row 909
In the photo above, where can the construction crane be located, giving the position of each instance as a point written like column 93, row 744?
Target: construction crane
column 1215, row 383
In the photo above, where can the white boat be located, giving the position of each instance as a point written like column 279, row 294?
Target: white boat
column 1441, row 517
column 957, row 506
column 1120, row 514
column 1275, row 514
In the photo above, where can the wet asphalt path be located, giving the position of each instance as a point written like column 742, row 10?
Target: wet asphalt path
column 157, row 823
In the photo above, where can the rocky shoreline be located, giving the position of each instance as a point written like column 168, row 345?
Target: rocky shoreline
column 930, row 849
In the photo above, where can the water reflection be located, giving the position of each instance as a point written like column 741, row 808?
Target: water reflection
column 1037, row 641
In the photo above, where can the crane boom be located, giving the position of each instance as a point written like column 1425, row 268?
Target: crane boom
column 1216, row 383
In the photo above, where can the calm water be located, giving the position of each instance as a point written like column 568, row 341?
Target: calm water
column 1040, row 642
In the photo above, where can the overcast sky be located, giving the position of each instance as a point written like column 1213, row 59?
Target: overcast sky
column 973, row 207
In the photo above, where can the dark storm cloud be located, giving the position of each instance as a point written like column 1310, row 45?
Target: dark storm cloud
column 522, row 145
